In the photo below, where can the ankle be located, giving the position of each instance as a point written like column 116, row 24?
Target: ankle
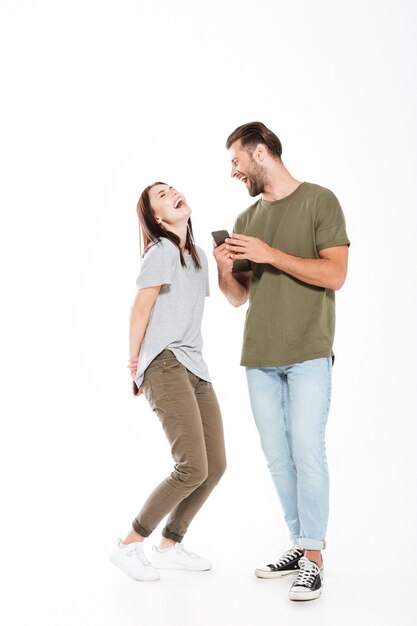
column 133, row 537
column 315, row 556
column 166, row 543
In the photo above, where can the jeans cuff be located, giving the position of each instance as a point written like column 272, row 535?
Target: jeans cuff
column 140, row 529
column 168, row 534
column 295, row 540
column 311, row 544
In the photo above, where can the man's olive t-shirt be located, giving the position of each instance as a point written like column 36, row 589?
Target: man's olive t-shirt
column 289, row 321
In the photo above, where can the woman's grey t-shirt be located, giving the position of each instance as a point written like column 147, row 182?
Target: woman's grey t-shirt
column 175, row 320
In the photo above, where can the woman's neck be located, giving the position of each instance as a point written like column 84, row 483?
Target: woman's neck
column 181, row 231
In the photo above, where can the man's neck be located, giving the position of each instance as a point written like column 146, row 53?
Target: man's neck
column 280, row 184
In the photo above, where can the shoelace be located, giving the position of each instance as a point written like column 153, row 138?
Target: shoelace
column 180, row 548
column 308, row 573
column 291, row 554
column 139, row 554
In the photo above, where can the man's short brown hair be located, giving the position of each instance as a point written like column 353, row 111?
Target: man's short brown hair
column 254, row 133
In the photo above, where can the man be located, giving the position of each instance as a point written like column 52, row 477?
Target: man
column 288, row 253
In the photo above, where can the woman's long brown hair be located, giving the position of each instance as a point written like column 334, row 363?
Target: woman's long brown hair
column 152, row 232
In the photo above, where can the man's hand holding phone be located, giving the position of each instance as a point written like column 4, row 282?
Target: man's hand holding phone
column 220, row 253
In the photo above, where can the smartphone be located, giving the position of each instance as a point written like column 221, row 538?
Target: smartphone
column 219, row 236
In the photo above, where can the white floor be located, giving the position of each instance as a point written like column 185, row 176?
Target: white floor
column 240, row 598
column 97, row 594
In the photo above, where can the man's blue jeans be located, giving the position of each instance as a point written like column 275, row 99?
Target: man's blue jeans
column 290, row 405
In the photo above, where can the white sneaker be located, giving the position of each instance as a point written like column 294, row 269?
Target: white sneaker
column 177, row 557
column 131, row 559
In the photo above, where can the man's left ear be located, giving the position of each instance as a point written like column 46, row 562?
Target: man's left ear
column 260, row 152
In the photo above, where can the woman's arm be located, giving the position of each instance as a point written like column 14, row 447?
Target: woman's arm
column 139, row 318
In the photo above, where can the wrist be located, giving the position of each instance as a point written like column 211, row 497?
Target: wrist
column 273, row 257
column 225, row 274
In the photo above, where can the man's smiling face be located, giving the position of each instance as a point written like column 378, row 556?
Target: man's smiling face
column 246, row 169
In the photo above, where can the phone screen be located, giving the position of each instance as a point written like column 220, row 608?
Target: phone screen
column 219, row 236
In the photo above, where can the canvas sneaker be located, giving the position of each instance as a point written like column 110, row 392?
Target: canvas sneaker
column 309, row 583
column 287, row 564
column 177, row 557
column 131, row 559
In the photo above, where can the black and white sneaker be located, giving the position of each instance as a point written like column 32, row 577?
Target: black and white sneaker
column 309, row 582
column 287, row 564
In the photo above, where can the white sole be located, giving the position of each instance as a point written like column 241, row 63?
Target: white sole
column 262, row 574
column 142, row 580
column 179, row 567
column 312, row 595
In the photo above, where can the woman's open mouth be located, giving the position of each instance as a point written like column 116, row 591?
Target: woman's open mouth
column 179, row 202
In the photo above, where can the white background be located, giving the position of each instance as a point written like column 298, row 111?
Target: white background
column 99, row 100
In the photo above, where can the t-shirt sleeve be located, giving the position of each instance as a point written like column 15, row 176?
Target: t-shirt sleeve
column 157, row 266
column 330, row 226
column 205, row 270
column 207, row 280
column 245, row 265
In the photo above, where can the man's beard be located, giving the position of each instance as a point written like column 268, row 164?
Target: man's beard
column 256, row 177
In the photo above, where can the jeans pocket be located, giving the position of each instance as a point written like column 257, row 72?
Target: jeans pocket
column 169, row 365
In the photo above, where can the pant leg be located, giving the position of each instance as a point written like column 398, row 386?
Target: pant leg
column 269, row 402
column 211, row 419
column 309, row 385
column 168, row 389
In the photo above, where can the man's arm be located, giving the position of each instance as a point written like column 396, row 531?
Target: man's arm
column 329, row 271
column 234, row 285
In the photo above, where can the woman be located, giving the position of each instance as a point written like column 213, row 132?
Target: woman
column 165, row 331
